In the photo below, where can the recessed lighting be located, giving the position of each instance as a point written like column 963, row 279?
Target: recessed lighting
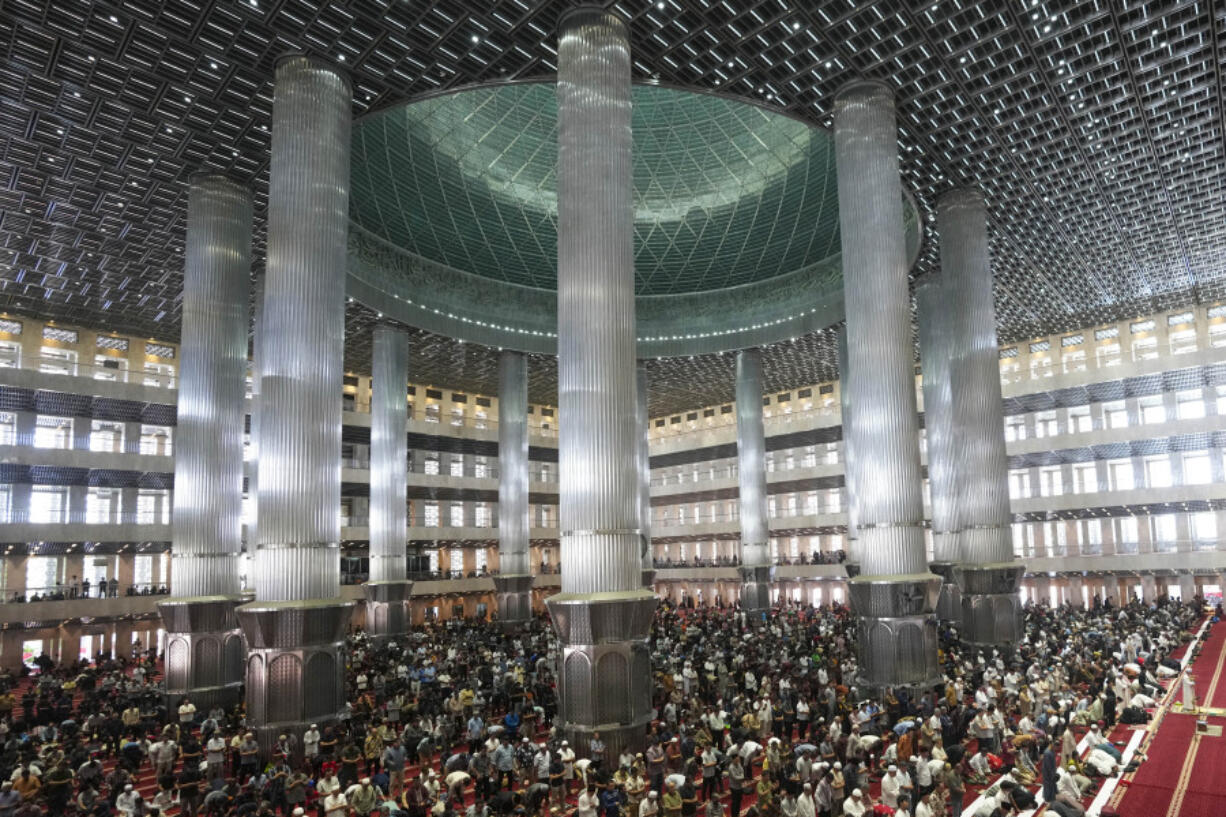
column 340, row 57
column 476, row 39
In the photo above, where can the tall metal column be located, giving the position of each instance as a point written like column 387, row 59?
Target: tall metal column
column 894, row 596
column 643, row 459
column 751, row 474
column 204, row 649
column 603, row 614
column 513, row 584
column 253, row 433
column 296, row 627
column 388, row 591
column 936, row 336
column 851, row 562
column 989, row 577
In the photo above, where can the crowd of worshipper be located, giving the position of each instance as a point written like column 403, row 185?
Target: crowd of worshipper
column 757, row 716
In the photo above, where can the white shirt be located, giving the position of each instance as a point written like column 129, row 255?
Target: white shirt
column 805, row 807
column 186, row 712
column 853, row 808
column 588, row 803
column 650, row 807
column 890, row 786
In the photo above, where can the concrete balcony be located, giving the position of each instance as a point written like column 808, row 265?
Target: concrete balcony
column 79, row 458
column 92, row 608
column 725, row 528
column 1136, row 496
column 85, row 532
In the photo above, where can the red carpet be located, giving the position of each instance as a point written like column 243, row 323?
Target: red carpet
column 1208, row 670
column 1152, row 788
column 1184, row 774
column 1206, row 789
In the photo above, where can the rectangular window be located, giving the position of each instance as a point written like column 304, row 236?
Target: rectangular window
column 1190, row 404
column 10, row 354
column 57, row 361
column 1152, row 410
column 1051, row 481
column 1079, row 420
column 1108, row 354
column 1129, row 536
column 1196, row 470
column 1019, row 483
column 1158, row 471
column 1074, row 361
column 1145, row 348
column 53, row 432
column 430, row 514
column 457, row 515
column 1045, row 424
column 1085, row 478
column 430, row 466
column 1120, row 473
column 1217, row 335
column 1015, row 428
column 48, row 504
column 456, row 466
column 1183, row 341
column 1163, row 531
column 1115, row 414
column 1204, row 527
column 481, row 515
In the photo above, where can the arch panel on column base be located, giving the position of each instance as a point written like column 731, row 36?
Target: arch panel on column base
column 295, row 666
column 649, row 578
column 991, row 604
column 604, row 681
column 949, row 603
column 387, row 608
column 897, row 630
column 756, row 588
column 514, row 597
column 204, row 651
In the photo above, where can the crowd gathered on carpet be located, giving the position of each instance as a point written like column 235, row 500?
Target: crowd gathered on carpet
column 754, row 718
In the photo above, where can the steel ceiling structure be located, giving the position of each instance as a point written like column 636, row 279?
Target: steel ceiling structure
column 1095, row 128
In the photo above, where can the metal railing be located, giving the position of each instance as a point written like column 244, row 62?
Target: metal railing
column 78, row 591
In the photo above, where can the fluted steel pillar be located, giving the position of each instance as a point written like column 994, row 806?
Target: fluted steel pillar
column 296, row 627
column 603, row 614
column 253, row 433
column 852, row 561
column 643, row 459
column 934, row 305
column 513, row 584
column 751, row 475
column 894, row 596
column 988, row 576
column 388, row 591
column 204, row 648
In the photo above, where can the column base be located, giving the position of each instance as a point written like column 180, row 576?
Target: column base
column 897, row 630
column 604, row 679
column 949, row 604
column 204, row 651
column 387, row 608
column 514, row 597
column 756, row 588
column 991, row 605
column 295, row 666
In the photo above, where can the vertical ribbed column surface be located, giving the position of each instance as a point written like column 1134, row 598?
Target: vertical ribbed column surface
column 513, row 463
column 751, row 458
column 643, row 458
column 936, row 317
column 603, row 614
column 388, row 453
column 208, row 498
column 883, row 425
column 849, row 451
column 982, row 466
column 253, row 427
column 598, row 492
column 300, row 373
